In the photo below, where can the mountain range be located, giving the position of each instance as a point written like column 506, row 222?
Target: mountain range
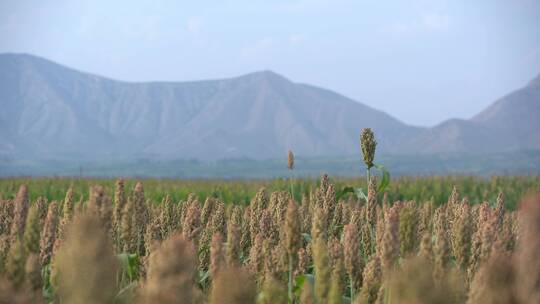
column 49, row 111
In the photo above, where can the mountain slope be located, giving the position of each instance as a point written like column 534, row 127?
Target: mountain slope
column 515, row 118
column 50, row 111
column 510, row 124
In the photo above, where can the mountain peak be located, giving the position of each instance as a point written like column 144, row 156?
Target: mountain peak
column 267, row 75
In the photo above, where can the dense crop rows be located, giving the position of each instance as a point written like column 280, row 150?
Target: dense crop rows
column 421, row 189
column 126, row 248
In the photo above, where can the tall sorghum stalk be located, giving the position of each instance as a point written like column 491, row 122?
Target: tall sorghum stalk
column 368, row 145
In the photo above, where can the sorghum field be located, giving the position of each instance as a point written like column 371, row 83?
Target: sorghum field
column 420, row 240
column 425, row 240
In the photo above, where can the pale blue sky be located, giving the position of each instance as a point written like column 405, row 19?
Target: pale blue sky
column 421, row 61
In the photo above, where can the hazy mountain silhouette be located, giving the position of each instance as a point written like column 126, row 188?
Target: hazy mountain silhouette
column 61, row 112
column 509, row 124
column 51, row 111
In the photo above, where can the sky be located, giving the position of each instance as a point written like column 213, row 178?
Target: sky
column 422, row 61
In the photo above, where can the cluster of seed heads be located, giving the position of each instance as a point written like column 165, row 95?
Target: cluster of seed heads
column 132, row 250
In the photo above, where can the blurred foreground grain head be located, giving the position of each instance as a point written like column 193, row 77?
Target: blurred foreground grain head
column 85, row 265
column 494, row 282
column 414, row 283
column 233, row 285
column 527, row 259
column 273, row 292
column 171, row 273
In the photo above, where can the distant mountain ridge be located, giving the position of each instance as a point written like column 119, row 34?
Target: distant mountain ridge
column 509, row 124
column 53, row 112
